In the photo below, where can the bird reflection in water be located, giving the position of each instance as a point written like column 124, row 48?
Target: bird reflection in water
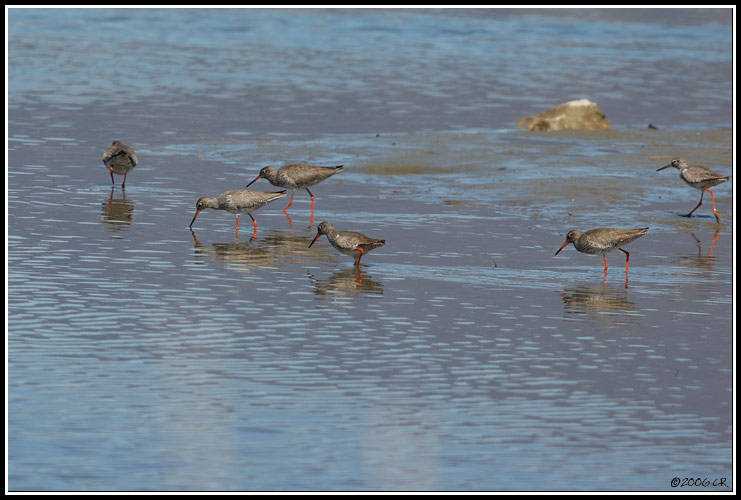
column 117, row 213
column 277, row 248
column 241, row 255
column 701, row 261
column 600, row 301
column 347, row 283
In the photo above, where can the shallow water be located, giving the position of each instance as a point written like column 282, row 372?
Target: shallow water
column 463, row 355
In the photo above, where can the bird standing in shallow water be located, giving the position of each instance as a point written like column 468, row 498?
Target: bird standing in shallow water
column 701, row 178
column 238, row 201
column 603, row 240
column 353, row 244
column 297, row 176
column 119, row 159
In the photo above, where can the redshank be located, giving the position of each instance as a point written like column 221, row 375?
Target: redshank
column 297, row 176
column 119, row 159
column 603, row 240
column 353, row 244
column 238, row 201
column 699, row 178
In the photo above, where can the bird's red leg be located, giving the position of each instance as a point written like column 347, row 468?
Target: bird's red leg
column 311, row 222
column 712, row 197
column 357, row 262
column 290, row 202
column 254, row 234
column 627, row 259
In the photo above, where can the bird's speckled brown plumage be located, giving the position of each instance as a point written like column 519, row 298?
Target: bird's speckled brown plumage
column 237, row 201
column 348, row 242
column 603, row 240
column 699, row 178
column 296, row 176
column 119, row 159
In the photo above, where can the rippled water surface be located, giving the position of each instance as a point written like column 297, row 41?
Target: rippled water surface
column 462, row 355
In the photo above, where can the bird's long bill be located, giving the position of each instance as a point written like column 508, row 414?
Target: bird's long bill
column 315, row 238
column 562, row 247
column 255, row 180
column 194, row 218
column 665, row 166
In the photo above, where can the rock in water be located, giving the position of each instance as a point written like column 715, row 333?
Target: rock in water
column 581, row 114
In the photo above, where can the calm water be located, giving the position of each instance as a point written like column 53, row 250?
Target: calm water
column 463, row 355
